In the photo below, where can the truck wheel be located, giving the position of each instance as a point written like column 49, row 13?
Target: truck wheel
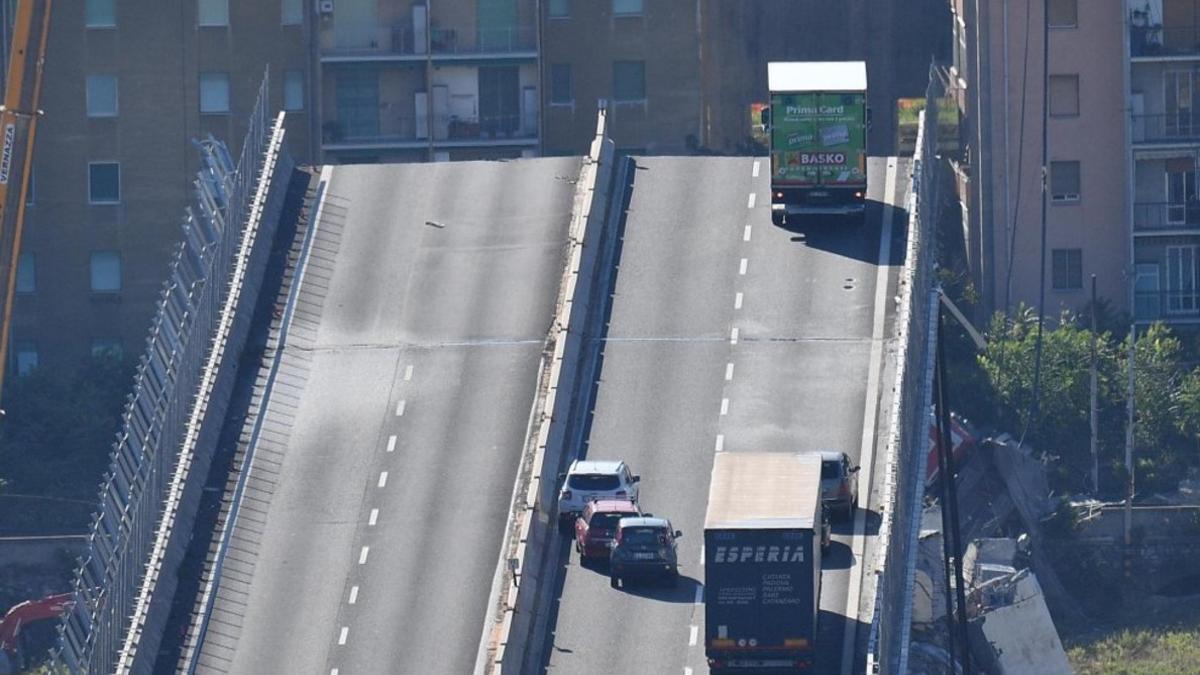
column 614, row 581
column 777, row 218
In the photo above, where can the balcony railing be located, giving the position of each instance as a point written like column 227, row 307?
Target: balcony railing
column 1169, row 305
column 1164, row 41
column 448, row 129
column 448, row 41
column 1176, row 127
column 370, row 39
column 1166, row 216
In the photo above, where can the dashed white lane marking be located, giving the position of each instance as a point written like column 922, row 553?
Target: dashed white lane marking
column 702, row 555
column 750, row 201
column 362, row 556
column 728, row 372
column 392, row 443
column 742, row 266
column 720, row 442
column 746, row 234
column 687, row 671
column 408, row 373
column 374, row 518
column 692, row 636
column 333, row 672
column 754, row 171
column 382, row 478
column 737, row 300
column 343, row 635
column 400, row 407
column 733, row 336
column 699, row 595
column 724, row 406
column 353, row 594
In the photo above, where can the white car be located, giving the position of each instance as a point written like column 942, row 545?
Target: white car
column 586, row 481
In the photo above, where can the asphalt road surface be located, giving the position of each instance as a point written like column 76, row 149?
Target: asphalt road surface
column 730, row 334
column 379, row 544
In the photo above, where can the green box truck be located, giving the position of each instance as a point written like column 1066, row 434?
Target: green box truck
column 817, row 122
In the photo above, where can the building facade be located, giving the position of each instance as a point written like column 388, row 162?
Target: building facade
column 1121, row 152
column 128, row 86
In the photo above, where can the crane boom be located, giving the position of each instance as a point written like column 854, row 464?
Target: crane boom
column 18, row 126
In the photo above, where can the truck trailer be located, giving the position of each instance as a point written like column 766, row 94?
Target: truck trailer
column 817, row 129
column 762, row 562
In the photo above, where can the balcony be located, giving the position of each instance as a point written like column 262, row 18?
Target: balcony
column 449, row 42
column 1168, row 306
column 1177, row 128
column 1153, row 42
column 370, row 42
column 448, row 131
column 1163, row 216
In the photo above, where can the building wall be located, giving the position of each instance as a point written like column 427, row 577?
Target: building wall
column 1097, row 222
column 156, row 51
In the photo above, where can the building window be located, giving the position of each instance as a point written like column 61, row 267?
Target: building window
column 101, row 14
column 293, row 90
column 1064, row 95
column 1067, row 269
column 1063, row 13
column 107, row 346
column 560, row 84
column 627, row 7
column 213, row 12
column 25, row 356
column 104, row 182
column 1182, row 281
column 101, row 95
column 629, row 81
column 1064, row 181
column 560, row 9
column 27, row 273
column 292, row 12
column 214, row 93
column 106, row 271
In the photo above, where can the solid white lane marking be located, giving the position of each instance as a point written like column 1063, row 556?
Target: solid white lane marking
column 724, row 406
column 392, row 443
column 353, row 594
column 866, row 453
column 408, row 373
column 746, row 234
column 733, row 336
column 720, row 442
column 400, row 407
column 374, row 517
column 728, row 371
column 742, row 266
column 692, row 636
column 737, row 301
column 343, row 635
column 754, row 171
column 362, row 556
column 382, row 478
column 750, row 202
column 699, row 594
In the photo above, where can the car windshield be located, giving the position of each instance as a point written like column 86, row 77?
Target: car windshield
column 831, row 469
column 594, row 482
column 606, row 520
column 643, row 536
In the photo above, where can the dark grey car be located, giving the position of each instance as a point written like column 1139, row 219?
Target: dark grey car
column 644, row 548
column 839, row 485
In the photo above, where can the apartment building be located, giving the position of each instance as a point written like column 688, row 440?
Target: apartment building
column 420, row 80
column 128, row 86
column 1121, row 145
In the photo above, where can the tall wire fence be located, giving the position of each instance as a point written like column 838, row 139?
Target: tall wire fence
column 125, row 538
column 908, row 441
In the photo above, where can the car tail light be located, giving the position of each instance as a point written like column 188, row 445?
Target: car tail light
column 801, row 664
column 858, row 195
column 566, row 494
column 778, row 195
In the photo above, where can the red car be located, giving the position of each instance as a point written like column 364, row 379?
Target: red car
column 597, row 525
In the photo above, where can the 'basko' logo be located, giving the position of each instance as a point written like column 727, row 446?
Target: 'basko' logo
column 10, row 132
column 771, row 554
column 822, row 158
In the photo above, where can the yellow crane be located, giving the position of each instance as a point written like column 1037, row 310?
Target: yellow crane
column 18, row 125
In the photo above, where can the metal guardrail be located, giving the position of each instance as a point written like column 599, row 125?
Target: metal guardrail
column 1149, row 216
column 126, row 540
column 908, row 440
